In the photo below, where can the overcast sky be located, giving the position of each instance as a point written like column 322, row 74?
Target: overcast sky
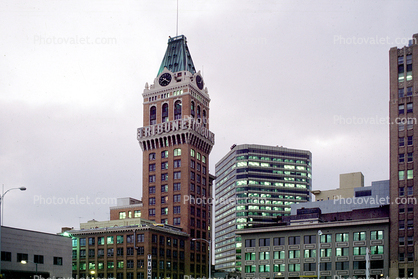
column 309, row 75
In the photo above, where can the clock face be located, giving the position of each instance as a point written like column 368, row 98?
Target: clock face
column 165, row 79
column 199, row 82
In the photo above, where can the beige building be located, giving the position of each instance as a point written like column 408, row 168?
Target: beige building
column 348, row 181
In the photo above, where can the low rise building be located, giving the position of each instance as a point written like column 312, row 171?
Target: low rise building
column 338, row 242
column 25, row 253
column 143, row 250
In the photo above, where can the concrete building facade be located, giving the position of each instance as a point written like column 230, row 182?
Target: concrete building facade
column 17, row 245
column 123, row 251
column 348, row 182
column 337, row 241
column 403, row 112
column 255, row 185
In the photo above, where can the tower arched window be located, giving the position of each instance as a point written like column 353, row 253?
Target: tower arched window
column 198, row 111
column 177, row 110
column 205, row 120
column 192, row 108
column 165, row 113
column 153, row 115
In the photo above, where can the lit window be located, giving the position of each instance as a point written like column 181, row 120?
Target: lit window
column 164, row 154
column 409, row 107
column 177, row 110
column 192, row 152
column 122, row 215
column 409, row 174
column 177, row 152
column 401, row 175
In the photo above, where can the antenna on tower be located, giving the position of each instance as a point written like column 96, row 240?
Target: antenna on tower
column 177, row 22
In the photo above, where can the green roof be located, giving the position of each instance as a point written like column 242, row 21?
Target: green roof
column 177, row 56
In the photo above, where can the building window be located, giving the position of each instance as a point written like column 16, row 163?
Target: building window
column 294, row 254
column 293, row 240
column 176, row 198
column 164, row 199
column 359, row 265
column 164, row 176
column 401, row 240
column 151, row 212
column 401, row 224
column 278, row 241
column 109, row 240
column 309, row 239
column 376, row 249
column 402, row 141
column 151, row 201
column 409, row 107
column 401, row 92
column 309, row 253
column 164, row 211
column 177, row 110
column 151, row 167
column 250, row 256
column 342, row 265
column 278, row 255
column 250, row 243
column 250, row 269
column 164, row 154
column 177, row 186
column 401, row 158
column 326, row 238
column 192, row 152
column 293, row 267
column 192, row 175
column 264, row 242
column 401, row 73
column 401, row 175
column 309, row 266
column 410, row 140
column 151, row 190
column 341, row 237
column 401, row 109
column 177, row 175
column 359, row 236
column 177, row 163
column 164, row 113
column 339, row 252
column 164, row 166
column 409, row 174
column 7, row 256
column 409, row 91
column 119, row 239
column 374, row 235
column 164, row 188
column 264, row 268
column 264, row 255
column 401, row 127
column 152, row 178
column 176, row 221
column 325, row 252
column 410, row 224
column 357, row 251
column 410, row 240
column 152, row 156
column 410, row 190
column 153, row 115
column 279, row 267
column 122, row 215
column 119, row 251
column 177, row 152
column 410, row 256
column 176, row 209
column 409, row 124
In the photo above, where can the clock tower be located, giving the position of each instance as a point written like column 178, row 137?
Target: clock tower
column 176, row 143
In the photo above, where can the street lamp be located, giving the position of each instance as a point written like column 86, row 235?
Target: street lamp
column 1, row 202
column 319, row 252
column 210, row 254
column 36, row 265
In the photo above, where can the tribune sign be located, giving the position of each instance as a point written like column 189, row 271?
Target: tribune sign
column 176, row 125
column 149, row 266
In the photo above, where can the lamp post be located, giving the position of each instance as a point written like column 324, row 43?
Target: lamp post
column 1, row 221
column 36, row 265
column 210, row 254
column 319, row 252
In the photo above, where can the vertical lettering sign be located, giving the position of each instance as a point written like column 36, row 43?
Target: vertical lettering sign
column 149, row 266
